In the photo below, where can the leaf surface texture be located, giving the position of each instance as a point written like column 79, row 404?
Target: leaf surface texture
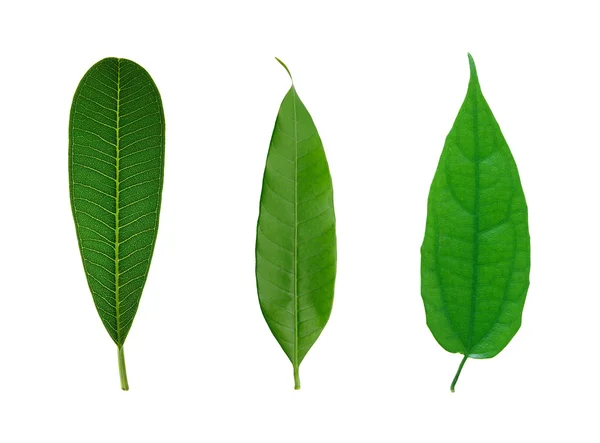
column 116, row 163
column 475, row 256
column 296, row 239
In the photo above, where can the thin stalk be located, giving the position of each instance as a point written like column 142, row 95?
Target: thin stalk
column 123, row 370
column 462, row 363
column 296, row 377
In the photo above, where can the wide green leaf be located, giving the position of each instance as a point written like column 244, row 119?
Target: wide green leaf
column 475, row 255
column 116, row 164
column 295, row 238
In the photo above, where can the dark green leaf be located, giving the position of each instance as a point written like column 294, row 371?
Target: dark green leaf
column 475, row 255
column 116, row 163
column 295, row 239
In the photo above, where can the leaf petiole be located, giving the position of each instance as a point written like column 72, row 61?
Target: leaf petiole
column 462, row 363
column 296, row 377
column 123, row 370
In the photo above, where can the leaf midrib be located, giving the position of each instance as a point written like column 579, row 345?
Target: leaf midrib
column 296, row 337
column 117, row 152
column 475, row 221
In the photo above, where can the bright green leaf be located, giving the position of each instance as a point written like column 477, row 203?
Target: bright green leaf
column 116, row 163
column 475, row 255
column 295, row 239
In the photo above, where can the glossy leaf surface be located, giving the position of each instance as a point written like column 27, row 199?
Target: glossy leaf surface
column 475, row 256
column 296, row 241
column 116, row 162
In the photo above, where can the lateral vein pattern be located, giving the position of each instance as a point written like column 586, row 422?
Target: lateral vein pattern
column 475, row 257
column 296, row 240
column 116, row 162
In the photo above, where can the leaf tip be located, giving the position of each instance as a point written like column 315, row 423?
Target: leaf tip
column 472, row 69
column 286, row 68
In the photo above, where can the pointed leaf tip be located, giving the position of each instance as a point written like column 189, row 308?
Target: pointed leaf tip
column 472, row 66
column 286, row 68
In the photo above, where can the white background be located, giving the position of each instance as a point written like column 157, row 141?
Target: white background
column 383, row 82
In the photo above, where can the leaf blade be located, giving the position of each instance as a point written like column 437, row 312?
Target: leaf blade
column 296, row 243
column 475, row 254
column 116, row 164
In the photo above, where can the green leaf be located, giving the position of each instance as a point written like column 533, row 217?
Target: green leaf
column 295, row 238
column 116, row 164
column 475, row 255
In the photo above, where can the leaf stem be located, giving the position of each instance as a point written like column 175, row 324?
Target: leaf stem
column 462, row 363
column 296, row 377
column 123, row 370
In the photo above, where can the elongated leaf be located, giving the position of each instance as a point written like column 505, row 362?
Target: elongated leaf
column 475, row 255
column 116, row 163
column 295, row 238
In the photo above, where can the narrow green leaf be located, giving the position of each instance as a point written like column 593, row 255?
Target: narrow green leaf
column 475, row 255
column 116, row 163
column 295, row 237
